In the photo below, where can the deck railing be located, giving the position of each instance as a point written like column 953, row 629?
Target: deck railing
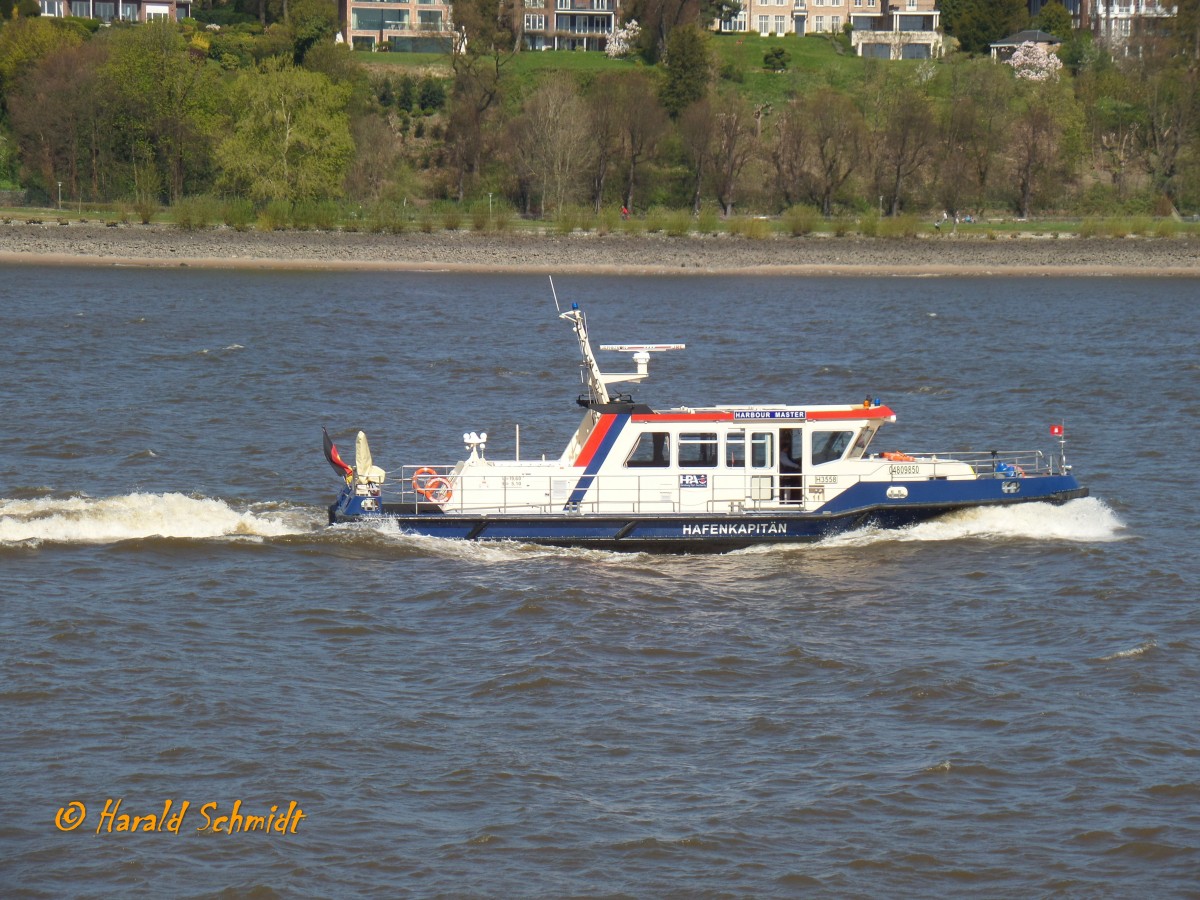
column 723, row 491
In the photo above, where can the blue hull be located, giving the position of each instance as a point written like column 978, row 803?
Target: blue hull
column 862, row 505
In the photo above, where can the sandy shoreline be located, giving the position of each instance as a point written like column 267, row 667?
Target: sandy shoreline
column 93, row 244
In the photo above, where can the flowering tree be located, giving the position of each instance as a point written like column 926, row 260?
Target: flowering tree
column 623, row 39
column 1035, row 62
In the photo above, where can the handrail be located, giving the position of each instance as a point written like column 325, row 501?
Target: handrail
column 663, row 491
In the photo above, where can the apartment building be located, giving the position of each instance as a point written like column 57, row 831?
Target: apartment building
column 1117, row 20
column 885, row 29
column 567, row 24
column 118, row 10
column 414, row 26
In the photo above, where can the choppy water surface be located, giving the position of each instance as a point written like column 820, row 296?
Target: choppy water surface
column 1000, row 703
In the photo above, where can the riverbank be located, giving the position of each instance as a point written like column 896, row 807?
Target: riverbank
column 975, row 254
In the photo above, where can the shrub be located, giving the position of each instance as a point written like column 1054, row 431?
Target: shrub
column 145, row 209
column 679, row 223
column 656, row 219
column 800, row 220
column 275, row 216
column 451, row 217
column 480, row 215
column 238, row 214
column 196, row 213
column 708, row 222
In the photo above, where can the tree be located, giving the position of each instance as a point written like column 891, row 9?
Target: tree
column 163, row 106
column 697, row 125
column 776, row 59
column 24, row 41
column 1044, row 141
column 901, row 126
column 552, row 140
column 604, row 119
column 819, row 143
column 486, row 42
column 977, row 23
column 733, row 145
column 1054, row 19
column 290, row 138
column 688, row 69
column 973, row 128
column 642, row 121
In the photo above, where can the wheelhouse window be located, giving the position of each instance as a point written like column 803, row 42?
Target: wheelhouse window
column 861, row 443
column 735, row 450
column 652, row 451
column 828, row 446
column 761, row 450
column 698, row 450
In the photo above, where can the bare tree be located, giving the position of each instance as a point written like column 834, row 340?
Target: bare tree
column 697, row 125
column 642, row 122
column 552, row 138
column 733, row 145
column 901, row 132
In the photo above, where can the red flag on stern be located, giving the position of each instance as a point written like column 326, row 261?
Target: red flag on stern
column 1056, row 430
column 335, row 460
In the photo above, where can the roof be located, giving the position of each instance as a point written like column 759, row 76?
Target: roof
column 1027, row 37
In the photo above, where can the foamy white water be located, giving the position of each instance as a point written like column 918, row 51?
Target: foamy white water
column 1086, row 520
column 87, row 520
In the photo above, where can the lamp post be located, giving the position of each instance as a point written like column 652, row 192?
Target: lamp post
column 60, row 195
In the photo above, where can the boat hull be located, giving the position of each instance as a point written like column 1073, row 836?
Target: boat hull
column 868, row 505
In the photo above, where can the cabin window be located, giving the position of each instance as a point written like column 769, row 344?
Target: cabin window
column 761, row 455
column 652, row 451
column 698, row 450
column 860, row 445
column 735, row 449
column 829, row 445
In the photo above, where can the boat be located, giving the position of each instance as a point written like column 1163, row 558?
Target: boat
column 691, row 479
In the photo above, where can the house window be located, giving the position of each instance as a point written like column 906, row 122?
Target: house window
column 106, row 12
column 52, row 8
column 698, row 450
column 80, row 8
column 157, row 11
column 129, row 12
column 835, row 23
column 780, row 24
column 535, row 23
column 819, row 23
column 429, row 21
column 652, row 450
column 764, row 25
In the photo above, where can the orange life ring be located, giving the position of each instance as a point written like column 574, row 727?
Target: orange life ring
column 420, row 479
column 438, row 490
column 897, row 456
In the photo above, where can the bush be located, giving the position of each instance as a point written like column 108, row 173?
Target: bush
column 708, row 222
column 452, row 217
column 386, row 218
column 895, row 227
column 196, row 213
column 800, row 220
column 145, row 209
column 238, row 214
column 656, row 219
column 480, row 215
column 275, row 216
column 679, row 223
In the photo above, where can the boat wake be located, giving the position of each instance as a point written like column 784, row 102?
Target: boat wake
column 1087, row 520
column 106, row 520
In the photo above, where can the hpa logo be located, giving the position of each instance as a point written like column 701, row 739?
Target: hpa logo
column 700, row 481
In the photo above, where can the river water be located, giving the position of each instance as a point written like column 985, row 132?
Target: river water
column 1003, row 702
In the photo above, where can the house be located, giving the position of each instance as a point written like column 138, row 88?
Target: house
column 1004, row 48
column 414, row 26
column 118, row 10
column 883, row 29
column 567, row 24
column 1116, row 20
